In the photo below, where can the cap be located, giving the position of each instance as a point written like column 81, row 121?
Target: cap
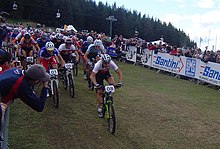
column 37, row 72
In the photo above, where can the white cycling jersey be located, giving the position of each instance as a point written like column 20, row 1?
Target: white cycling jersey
column 98, row 67
column 63, row 48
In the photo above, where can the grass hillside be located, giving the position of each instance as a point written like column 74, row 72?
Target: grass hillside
column 152, row 111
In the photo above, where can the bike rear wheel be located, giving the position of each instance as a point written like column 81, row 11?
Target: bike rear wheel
column 65, row 82
column 71, row 86
column 111, row 118
column 75, row 70
column 55, row 94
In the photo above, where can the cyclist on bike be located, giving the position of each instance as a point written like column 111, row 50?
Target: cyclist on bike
column 58, row 40
column 92, row 54
column 42, row 40
column 49, row 55
column 27, row 45
column 100, row 73
column 85, row 45
column 66, row 49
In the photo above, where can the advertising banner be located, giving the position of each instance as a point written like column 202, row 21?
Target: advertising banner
column 146, row 57
column 132, row 53
column 208, row 72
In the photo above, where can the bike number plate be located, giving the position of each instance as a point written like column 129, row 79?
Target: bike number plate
column 110, row 88
column 53, row 72
column 30, row 59
column 68, row 65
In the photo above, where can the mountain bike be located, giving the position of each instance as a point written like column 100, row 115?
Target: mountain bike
column 89, row 67
column 29, row 61
column 75, row 66
column 53, row 84
column 108, row 107
column 68, row 79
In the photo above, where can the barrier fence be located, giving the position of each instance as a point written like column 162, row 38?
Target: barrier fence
column 190, row 67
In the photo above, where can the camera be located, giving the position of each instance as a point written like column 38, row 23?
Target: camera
column 17, row 63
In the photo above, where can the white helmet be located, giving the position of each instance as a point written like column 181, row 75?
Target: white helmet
column 98, row 42
column 89, row 39
column 49, row 46
column 105, row 58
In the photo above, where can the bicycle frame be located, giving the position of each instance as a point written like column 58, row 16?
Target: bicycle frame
column 54, row 77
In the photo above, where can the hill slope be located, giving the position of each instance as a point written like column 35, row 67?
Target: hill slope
column 152, row 111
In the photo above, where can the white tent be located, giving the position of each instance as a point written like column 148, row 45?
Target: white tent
column 71, row 28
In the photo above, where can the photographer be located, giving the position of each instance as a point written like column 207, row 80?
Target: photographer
column 17, row 83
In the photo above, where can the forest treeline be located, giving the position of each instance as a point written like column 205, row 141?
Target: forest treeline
column 90, row 15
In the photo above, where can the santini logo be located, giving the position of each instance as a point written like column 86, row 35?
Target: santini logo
column 170, row 63
column 211, row 73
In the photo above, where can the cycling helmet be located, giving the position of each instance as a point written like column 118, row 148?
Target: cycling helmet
column 16, row 30
column 98, row 42
column 105, row 58
column 27, row 36
column 49, row 46
column 4, row 56
column 44, row 36
column 60, row 36
column 89, row 39
column 68, row 41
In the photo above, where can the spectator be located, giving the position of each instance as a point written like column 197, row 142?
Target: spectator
column 217, row 58
column 16, row 83
column 174, row 51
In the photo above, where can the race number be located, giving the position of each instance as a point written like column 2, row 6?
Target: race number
column 53, row 72
column 73, row 54
column 30, row 59
column 69, row 66
column 110, row 88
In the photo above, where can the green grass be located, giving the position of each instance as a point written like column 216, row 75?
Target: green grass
column 152, row 111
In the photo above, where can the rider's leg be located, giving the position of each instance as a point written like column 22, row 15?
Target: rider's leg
column 23, row 62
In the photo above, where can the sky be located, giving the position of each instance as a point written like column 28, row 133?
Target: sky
column 200, row 19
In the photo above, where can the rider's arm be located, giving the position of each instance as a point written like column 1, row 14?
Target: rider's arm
column 93, row 79
column 86, row 57
column 118, row 71
column 26, row 94
column 77, row 55
column 61, row 60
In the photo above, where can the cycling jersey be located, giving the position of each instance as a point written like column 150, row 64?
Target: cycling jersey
column 41, row 42
column 29, row 44
column 92, row 52
column 13, row 84
column 65, row 50
column 47, row 58
column 98, row 68
column 85, row 46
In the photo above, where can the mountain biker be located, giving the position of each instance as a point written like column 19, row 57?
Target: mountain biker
column 85, row 45
column 92, row 54
column 27, row 45
column 49, row 55
column 66, row 49
column 17, row 83
column 100, row 73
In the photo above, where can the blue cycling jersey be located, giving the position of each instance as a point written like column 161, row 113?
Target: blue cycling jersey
column 45, row 55
column 42, row 43
column 24, row 91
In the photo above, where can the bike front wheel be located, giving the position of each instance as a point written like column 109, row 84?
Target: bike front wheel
column 55, row 94
column 111, row 118
column 71, row 86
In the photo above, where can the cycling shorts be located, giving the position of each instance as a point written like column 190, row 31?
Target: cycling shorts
column 100, row 77
column 47, row 62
